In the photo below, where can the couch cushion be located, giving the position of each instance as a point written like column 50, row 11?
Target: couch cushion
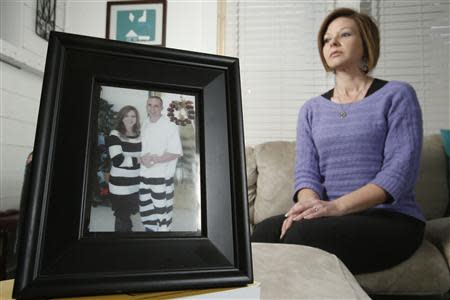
column 425, row 273
column 438, row 233
column 252, row 176
column 275, row 184
column 431, row 188
column 300, row 272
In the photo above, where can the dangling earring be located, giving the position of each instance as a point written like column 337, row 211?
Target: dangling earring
column 363, row 65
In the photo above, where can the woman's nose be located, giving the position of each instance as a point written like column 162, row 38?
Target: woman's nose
column 334, row 41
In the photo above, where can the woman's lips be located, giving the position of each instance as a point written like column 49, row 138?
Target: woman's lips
column 335, row 53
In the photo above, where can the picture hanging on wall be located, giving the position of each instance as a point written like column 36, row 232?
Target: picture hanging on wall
column 142, row 22
column 45, row 17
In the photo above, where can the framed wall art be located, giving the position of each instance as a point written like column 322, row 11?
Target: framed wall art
column 142, row 22
column 45, row 17
column 138, row 175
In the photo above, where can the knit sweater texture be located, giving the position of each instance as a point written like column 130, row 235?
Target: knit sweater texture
column 378, row 142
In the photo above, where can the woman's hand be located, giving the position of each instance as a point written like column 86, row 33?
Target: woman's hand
column 310, row 208
column 286, row 225
column 313, row 208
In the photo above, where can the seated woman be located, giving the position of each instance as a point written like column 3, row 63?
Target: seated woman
column 357, row 158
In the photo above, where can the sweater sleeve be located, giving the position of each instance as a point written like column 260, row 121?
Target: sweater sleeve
column 307, row 173
column 403, row 145
column 118, row 159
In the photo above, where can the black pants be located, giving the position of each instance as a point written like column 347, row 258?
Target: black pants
column 368, row 241
column 123, row 223
column 123, row 207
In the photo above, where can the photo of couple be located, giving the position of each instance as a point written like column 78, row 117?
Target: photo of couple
column 147, row 162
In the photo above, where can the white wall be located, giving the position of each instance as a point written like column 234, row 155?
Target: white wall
column 191, row 25
column 20, row 92
column 20, row 88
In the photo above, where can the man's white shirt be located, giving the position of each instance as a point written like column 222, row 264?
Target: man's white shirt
column 157, row 138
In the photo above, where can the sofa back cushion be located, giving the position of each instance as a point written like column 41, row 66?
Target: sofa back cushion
column 275, row 179
column 275, row 184
column 432, row 184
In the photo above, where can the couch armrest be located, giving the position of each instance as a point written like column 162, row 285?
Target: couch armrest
column 438, row 233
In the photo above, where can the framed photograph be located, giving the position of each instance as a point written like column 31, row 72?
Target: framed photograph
column 121, row 185
column 138, row 176
column 142, row 21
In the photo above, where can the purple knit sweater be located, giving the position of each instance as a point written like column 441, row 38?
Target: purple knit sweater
column 378, row 142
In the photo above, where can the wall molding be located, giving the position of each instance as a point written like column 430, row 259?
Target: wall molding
column 21, row 58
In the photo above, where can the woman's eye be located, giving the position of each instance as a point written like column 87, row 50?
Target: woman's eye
column 344, row 34
column 325, row 41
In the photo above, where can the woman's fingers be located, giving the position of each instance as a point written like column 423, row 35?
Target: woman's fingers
column 313, row 212
column 296, row 209
column 300, row 207
column 313, row 209
column 286, row 225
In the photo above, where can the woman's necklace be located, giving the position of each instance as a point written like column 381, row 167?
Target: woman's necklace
column 343, row 113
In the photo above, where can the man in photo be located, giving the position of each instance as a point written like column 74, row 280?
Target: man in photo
column 161, row 148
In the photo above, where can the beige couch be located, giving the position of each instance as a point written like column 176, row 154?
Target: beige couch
column 270, row 168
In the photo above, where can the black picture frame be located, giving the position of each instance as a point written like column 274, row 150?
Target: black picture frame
column 56, row 257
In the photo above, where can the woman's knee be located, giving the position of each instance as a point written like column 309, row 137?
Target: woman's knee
column 268, row 231
column 311, row 233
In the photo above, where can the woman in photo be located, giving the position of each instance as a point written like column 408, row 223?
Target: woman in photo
column 125, row 149
column 357, row 158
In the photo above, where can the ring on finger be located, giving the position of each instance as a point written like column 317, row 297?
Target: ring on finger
column 316, row 209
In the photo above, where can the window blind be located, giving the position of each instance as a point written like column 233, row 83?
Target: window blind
column 281, row 68
column 415, row 48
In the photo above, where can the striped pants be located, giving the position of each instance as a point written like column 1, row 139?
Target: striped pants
column 156, row 203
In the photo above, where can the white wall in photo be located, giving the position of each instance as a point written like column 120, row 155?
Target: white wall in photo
column 120, row 97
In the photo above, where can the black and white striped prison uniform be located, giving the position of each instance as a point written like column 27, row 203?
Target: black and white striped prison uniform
column 125, row 173
column 156, row 203
column 156, row 193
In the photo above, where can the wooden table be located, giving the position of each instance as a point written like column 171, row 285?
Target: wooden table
column 251, row 291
